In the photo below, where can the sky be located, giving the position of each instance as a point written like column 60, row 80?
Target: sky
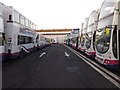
column 55, row 14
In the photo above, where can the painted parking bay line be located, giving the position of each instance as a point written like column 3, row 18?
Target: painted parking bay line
column 42, row 54
column 67, row 55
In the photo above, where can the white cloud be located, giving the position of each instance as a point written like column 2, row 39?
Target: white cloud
column 55, row 13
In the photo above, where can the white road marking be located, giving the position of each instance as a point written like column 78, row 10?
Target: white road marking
column 42, row 54
column 67, row 55
column 97, row 69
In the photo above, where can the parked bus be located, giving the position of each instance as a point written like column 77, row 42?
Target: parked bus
column 108, row 34
column 74, row 38
column 67, row 40
column 74, row 42
column 83, row 35
column 41, row 41
column 48, row 41
column 19, row 33
column 90, row 35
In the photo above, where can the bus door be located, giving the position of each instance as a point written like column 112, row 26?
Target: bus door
column 77, row 40
column 119, row 45
column 9, row 45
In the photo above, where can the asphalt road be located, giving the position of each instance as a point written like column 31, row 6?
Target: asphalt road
column 57, row 67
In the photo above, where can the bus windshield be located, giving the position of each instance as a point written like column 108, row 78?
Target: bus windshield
column 85, row 23
column 93, row 17
column 89, row 36
column 102, row 40
column 82, row 40
column 107, row 8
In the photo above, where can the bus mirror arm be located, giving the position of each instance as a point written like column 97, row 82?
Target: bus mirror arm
column 116, row 9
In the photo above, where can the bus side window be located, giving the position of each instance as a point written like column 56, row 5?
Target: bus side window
column 114, row 43
column 0, row 39
column 3, row 42
column 10, row 17
column 94, row 34
column 119, row 43
column 18, row 40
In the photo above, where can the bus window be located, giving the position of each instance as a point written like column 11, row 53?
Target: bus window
column 24, row 40
column 102, row 41
column 10, row 17
column 21, row 40
column 119, row 43
column 28, row 40
column 82, row 40
column 1, row 39
column 114, row 43
column 94, row 40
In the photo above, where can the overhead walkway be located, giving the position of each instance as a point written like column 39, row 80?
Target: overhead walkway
column 54, row 31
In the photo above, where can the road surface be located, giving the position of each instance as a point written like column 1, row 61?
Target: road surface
column 52, row 67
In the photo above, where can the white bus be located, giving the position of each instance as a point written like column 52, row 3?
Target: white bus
column 83, row 35
column 41, row 40
column 48, row 41
column 90, row 35
column 108, row 34
column 2, row 39
column 19, row 33
column 74, row 38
